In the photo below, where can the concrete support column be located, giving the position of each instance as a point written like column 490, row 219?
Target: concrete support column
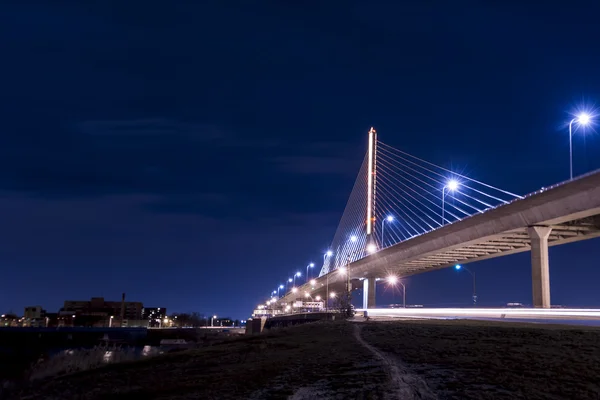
column 540, row 271
column 369, row 293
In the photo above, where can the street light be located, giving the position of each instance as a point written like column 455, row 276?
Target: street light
column 389, row 218
column 582, row 119
column 110, row 321
column 371, row 248
column 353, row 238
column 393, row 280
column 297, row 274
column 458, row 267
column 332, row 295
column 212, row 320
column 313, row 282
column 307, row 267
column 279, row 288
column 452, row 185
column 294, row 289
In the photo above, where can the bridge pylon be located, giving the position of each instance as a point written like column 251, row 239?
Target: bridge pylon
column 371, row 245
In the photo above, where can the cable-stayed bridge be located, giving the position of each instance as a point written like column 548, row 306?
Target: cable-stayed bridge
column 406, row 216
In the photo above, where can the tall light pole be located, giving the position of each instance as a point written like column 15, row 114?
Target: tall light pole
column 458, row 267
column 389, row 218
column 212, row 319
column 290, row 280
column 307, row 267
column 582, row 119
column 297, row 274
column 451, row 186
column 278, row 288
column 393, row 280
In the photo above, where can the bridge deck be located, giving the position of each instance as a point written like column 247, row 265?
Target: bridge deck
column 572, row 209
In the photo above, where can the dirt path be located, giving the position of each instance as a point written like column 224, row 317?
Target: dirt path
column 404, row 385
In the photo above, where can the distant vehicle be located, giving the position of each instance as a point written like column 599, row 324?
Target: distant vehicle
column 515, row 305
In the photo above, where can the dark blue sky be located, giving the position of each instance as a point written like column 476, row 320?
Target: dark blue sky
column 195, row 154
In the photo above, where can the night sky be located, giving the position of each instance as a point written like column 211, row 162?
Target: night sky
column 195, row 155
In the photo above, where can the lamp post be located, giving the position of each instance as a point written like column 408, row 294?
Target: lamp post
column 582, row 119
column 278, row 288
column 393, row 280
column 307, row 267
column 212, row 320
column 389, row 218
column 297, row 274
column 110, row 321
column 458, row 267
column 451, row 186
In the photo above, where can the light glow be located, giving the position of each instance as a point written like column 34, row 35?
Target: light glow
column 457, row 267
column 294, row 290
column 353, row 238
column 584, row 118
column 371, row 248
column 342, row 270
column 389, row 218
column 452, row 184
column 392, row 279
column 313, row 282
column 332, row 295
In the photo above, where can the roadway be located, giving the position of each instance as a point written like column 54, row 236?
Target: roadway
column 563, row 213
column 568, row 316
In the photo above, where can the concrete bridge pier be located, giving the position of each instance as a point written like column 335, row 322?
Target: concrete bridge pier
column 369, row 293
column 540, row 268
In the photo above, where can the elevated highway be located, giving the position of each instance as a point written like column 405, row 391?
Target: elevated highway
column 564, row 213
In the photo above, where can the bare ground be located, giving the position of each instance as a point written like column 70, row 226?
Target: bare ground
column 374, row 360
column 487, row 360
column 319, row 360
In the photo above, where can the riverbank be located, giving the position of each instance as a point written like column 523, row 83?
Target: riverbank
column 373, row 360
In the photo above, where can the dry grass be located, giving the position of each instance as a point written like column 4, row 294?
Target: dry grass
column 483, row 360
column 72, row 361
column 456, row 359
column 316, row 360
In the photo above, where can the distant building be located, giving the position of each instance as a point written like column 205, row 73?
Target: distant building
column 34, row 312
column 9, row 319
column 154, row 315
column 223, row 322
column 34, row 316
column 98, row 307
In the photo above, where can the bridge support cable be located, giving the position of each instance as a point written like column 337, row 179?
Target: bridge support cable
column 420, row 196
column 350, row 235
column 400, row 167
column 447, row 171
column 404, row 182
column 412, row 196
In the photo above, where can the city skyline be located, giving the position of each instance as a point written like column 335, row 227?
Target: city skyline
column 198, row 164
